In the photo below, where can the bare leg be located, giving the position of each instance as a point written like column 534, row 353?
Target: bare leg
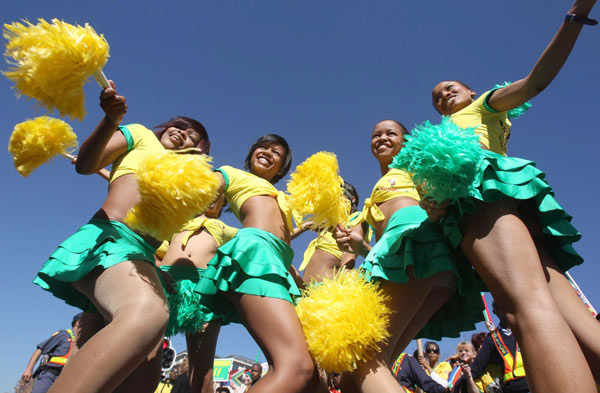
column 130, row 297
column 406, row 301
column 434, row 301
column 145, row 377
column 274, row 325
column 201, row 354
column 499, row 246
column 581, row 322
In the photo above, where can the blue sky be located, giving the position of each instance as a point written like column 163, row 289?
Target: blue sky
column 321, row 74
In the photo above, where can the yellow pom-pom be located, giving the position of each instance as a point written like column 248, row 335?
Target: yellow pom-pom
column 317, row 191
column 344, row 319
column 174, row 188
column 52, row 61
column 36, row 141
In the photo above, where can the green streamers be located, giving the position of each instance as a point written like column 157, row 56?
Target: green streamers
column 442, row 159
column 518, row 111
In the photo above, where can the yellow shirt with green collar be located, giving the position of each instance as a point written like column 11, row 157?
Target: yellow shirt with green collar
column 241, row 185
column 140, row 143
column 493, row 127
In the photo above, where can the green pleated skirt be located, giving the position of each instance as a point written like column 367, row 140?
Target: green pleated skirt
column 411, row 242
column 186, row 314
column 254, row 262
column 99, row 243
column 520, row 179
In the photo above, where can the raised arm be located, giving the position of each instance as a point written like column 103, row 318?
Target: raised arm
column 104, row 146
column 547, row 66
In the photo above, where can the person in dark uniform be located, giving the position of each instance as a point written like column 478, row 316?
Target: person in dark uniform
column 55, row 351
column 500, row 347
column 411, row 375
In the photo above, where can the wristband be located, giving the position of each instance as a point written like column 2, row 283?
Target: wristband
column 580, row 19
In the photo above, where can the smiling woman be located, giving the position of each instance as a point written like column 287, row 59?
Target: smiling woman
column 252, row 279
column 106, row 269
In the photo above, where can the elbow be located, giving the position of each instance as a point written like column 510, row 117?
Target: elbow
column 82, row 170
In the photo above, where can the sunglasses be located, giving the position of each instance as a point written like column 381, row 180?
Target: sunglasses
column 432, row 350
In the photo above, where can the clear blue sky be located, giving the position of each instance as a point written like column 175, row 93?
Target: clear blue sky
column 319, row 73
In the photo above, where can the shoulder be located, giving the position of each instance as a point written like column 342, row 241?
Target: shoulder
column 134, row 133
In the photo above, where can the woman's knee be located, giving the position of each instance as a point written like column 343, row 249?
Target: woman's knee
column 298, row 370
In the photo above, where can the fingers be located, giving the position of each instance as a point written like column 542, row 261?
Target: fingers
column 113, row 105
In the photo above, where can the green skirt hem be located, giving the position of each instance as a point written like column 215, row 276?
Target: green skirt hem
column 254, row 262
column 517, row 178
column 411, row 243
column 99, row 243
column 186, row 314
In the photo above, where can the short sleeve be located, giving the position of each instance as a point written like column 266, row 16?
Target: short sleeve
column 223, row 171
column 128, row 137
column 486, row 105
column 51, row 343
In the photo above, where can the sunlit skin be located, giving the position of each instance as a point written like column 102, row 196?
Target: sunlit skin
column 505, row 243
column 125, row 337
column 450, row 97
column 272, row 322
column 412, row 303
column 324, row 265
column 201, row 247
column 262, row 211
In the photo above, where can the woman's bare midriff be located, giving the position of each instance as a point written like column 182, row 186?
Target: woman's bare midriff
column 263, row 212
column 388, row 208
column 122, row 195
column 199, row 250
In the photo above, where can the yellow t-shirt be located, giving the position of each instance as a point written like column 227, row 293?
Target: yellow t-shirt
column 241, row 185
column 493, row 127
column 443, row 369
column 395, row 183
column 140, row 142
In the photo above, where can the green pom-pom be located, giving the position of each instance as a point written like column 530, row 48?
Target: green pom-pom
column 442, row 159
column 518, row 111
column 186, row 315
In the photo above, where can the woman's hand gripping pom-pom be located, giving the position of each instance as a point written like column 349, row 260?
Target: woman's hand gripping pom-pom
column 50, row 62
column 345, row 319
column 36, row 141
column 317, row 191
column 442, row 159
column 174, row 187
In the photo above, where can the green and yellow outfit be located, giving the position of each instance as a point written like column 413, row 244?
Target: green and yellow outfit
column 325, row 242
column 186, row 314
column 254, row 262
column 100, row 243
column 500, row 176
column 410, row 242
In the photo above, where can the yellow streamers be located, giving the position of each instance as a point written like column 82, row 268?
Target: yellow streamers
column 317, row 193
column 174, row 188
column 344, row 320
column 52, row 61
column 36, row 141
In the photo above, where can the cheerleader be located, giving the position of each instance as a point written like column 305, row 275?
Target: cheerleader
column 428, row 294
column 185, row 259
column 105, row 267
column 252, row 278
column 514, row 232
